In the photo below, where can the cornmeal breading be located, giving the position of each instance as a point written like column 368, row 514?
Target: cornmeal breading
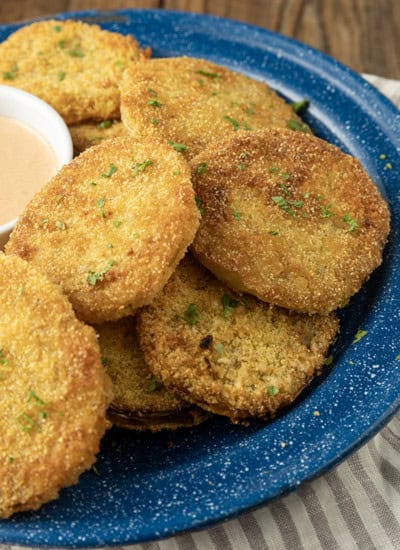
column 73, row 66
column 193, row 103
column 89, row 133
column 140, row 401
column 233, row 355
column 289, row 218
column 54, row 391
column 111, row 226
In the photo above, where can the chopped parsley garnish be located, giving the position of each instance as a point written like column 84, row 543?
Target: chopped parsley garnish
column 3, row 360
column 154, row 121
column 61, row 225
column 300, row 106
column 359, row 335
column 199, row 204
column 351, row 222
column 61, row 44
column 117, row 223
column 219, row 348
column 237, row 216
column 105, row 124
column 207, row 74
column 100, row 203
column 180, row 147
column 274, row 169
column 191, row 315
column 33, row 397
column 296, row 125
column 242, row 167
column 283, row 187
column 94, row 277
column 232, row 121
column 26, row 422
column 112, row 169
column 110, row 245
column 326, row 212
column 329, row 360
column 283, row 205
column 152, row 92
column 57, row 28
column 10, row 75
column 273, row 232
column 154, row 385
column 273, row 390
column 60, row 75
column 76, row 52
column 20, row 290
column 229, row 304
column 250, row 111
column 141, row 166
column 202, row 168
column 154, row 103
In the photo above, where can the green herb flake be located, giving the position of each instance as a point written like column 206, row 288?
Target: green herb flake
column 61, row 225
column 105, row 361
column 176, row 173
column 11, row 459
column 180, row 147
column 296, row 125
column 20, row 291
column 199, row 204
column 328, row 361
column 273, row 390
column 154, row 121
column 299, row 107
column 273, row 232
column 283, row 188
column 26, row 422
column 154, row 103
column 232, row 121
column 110, row 245
column 105, row 124
column 207, row 74
column 326, row 212
column 242, row 167
column 3, row 359
column 34, row 398
column 10, row 75
column 93, row 277
column 283, row 205
column 100, row 204
column 228, row 304
column 95, row 471
column 141, row 166
column 202, row 168
column 351, row 222
column 219, row 348
column 61, row 76
column 250, row 111
column 237, row 216
column 45, row 221
column 111, row 170
column 359, row 335
column 76, row 52
column 191, row 315
column 153, row 385
column 61, row 44
column 117, row 223
column 274, row 169
column 152, row 92
column 57, row 28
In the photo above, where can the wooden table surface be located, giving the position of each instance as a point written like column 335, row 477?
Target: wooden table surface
column 363, row 34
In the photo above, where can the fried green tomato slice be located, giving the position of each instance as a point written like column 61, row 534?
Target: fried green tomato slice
column 54, row 390
column 73, row 66
column 140, row 401
column 232, row 355
column 89, row 133
column 288, row 218
column 192, row 103
column 111, row 226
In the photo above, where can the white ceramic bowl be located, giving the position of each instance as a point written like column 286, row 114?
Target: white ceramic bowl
column 37, row 114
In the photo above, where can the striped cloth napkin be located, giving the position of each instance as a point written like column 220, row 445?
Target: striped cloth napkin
column 355, row 506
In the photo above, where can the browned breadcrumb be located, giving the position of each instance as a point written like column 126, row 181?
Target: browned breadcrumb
column 89, row 133
column 289, row 218
column 54, row 391
column 231, row 354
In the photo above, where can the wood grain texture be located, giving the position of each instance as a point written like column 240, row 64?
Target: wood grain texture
column 363, row 34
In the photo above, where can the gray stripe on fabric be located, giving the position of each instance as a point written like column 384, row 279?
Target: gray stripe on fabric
column 349, row 511
column 252, row 532
column 286, row 526
column 392, row 439
column 381, row 508
column 185, row 542
column 149, row 546
column 219, row 537
column 386, row 468
column 318, row 518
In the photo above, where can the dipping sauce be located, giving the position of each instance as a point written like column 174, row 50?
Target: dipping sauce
column 27, row 162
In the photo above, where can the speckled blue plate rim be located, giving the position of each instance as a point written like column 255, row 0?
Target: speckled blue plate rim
column 151, row 490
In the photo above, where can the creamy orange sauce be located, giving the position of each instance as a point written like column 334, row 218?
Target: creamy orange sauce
column 27, row 162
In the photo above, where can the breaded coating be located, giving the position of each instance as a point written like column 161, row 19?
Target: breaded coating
column 54, row 390
column 289, row 218
column 89, row 133
column 111, row 226
column 233, row 355
column 74, row 66
column 193, row 103
column 140, row 401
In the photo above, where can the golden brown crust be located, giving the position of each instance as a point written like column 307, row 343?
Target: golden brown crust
column 140, row 401
column 54, row 391
column 111, row 226
column 89, row 133
column 73, row 66
column 195, row 103
column 289, row 218
column 230, row 354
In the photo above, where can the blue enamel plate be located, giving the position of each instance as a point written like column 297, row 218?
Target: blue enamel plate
column 152, row 486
